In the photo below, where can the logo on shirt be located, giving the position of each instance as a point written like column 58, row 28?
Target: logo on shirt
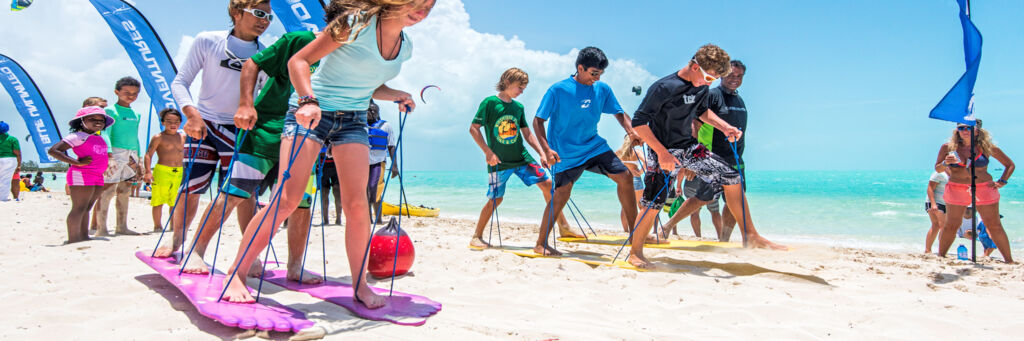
column 584, row 104
column 506, row 129
column 689, row 99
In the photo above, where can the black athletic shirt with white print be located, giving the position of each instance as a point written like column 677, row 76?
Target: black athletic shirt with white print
column 731, row 109
column 670, row 106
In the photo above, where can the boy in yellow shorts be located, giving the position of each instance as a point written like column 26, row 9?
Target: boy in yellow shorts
column 165, row 177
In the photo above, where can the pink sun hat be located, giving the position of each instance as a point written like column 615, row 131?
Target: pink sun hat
column 93, row 110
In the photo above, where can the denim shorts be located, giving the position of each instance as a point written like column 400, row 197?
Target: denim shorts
column 335, row 128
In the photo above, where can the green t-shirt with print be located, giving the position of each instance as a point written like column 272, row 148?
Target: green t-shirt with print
column 272, row 103
column 502, row 123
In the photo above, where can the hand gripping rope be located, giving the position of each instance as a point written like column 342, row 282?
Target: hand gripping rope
column 220, row 191
column 743, row 193
column 183, row 188
column 643, row 171
column 275, row 200
column 668, row 179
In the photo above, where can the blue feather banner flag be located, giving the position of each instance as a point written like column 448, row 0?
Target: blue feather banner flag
column 31, row 105
column 300, row 15
column 958, row 104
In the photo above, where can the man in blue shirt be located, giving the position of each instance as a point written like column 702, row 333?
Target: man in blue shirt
column 571, row 144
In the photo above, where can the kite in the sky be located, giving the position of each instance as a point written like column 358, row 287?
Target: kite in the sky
column 17, row 5
column 425, row 89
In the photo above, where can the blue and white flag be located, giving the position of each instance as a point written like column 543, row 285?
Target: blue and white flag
column 300, row 15
column 31, row 105
column 958, row 104
column 144, row 48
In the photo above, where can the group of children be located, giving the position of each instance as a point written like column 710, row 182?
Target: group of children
column 316, row 88
column 667, row 122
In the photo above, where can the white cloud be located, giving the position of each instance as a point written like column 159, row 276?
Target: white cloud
column 80, row 57
column 466, row 65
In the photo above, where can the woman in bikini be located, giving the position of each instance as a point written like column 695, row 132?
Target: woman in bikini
column 955, row 159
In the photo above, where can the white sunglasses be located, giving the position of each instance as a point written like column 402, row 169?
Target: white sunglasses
column 259, row 14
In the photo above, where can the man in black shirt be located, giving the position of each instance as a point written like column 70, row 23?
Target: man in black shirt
column 665, row 120
column 725, row 102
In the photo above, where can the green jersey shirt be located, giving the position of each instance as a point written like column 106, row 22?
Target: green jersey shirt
column 272, row 103
column 501, row 122
column 124, row 133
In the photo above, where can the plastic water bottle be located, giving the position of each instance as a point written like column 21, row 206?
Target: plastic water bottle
column 961, row 252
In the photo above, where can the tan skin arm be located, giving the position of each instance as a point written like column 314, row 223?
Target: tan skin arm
column 627, row 124
column 298, row 70
column 532, row 141
column 711, row 118
column 17, row 154
column 1007, row 165
column 147, row 172
column 542, row 140
column 931, row 195
column 940, row 161
column 245, row 116
column 59, row 152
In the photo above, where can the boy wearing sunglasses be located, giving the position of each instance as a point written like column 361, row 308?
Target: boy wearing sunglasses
column 672, row 110
column 571, row 144
column 209, row 122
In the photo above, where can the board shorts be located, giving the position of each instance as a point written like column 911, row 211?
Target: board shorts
column 166, row 183
column 217, row 147
column 960, row 194
column 703, row 191
column 78, row 177
column 330, row 176
column 335, row 127
column 118, row 168
column 530, row 174
column 606, row 163
column 252, row 173
column 928, row 206
column 375, row 182
column 709, row 167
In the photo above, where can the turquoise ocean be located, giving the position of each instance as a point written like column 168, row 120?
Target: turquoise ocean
column 881, row 210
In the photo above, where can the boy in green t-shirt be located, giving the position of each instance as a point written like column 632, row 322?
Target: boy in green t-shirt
column 504, row 122
column 258, row 155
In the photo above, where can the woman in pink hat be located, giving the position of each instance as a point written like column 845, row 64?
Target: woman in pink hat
column 85, row 176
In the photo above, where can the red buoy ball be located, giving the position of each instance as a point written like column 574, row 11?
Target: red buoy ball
column 382, row 252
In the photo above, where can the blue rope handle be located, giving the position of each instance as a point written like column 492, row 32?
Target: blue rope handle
column 743, row 194
column 202, row 224
column 182, row 188
column 402, row 119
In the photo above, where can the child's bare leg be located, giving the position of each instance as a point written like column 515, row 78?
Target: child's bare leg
column 351, row 160
column 157, row 213
column 80, row 196
column 481, row 223
column 180, row 220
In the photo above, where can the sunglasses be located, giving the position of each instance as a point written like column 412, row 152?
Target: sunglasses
column 963, row 128
column 259, row 14
column 596, row 73
column 708, row 78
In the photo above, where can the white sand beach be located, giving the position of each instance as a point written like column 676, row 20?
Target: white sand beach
column 99, row 290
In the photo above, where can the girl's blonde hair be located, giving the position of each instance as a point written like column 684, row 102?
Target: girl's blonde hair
column 982, row 140
column 625, row 152
column 352, row 16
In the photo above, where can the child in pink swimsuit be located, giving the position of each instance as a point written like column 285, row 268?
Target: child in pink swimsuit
column 85, row 176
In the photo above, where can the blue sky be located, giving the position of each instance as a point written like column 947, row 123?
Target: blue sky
column 831, row 84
